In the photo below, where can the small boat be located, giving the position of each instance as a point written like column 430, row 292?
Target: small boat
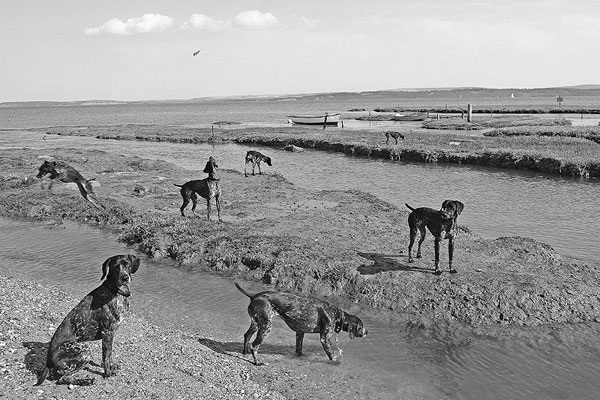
column 411, row 117
column 324, row 119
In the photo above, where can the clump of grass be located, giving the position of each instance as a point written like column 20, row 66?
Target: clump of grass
column 586, row 132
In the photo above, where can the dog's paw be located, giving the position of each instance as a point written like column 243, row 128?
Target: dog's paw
column 437, row 272
column 453, row 271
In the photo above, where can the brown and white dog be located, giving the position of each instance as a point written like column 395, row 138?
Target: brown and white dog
column 65, row 173
column 302, row 315
column 441, row 224
column 96, row 317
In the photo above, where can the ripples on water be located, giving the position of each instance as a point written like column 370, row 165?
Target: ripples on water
column 447, row 360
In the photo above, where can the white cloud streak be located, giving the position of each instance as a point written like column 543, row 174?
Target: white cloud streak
column 256, row 20
column 147, row 23
column 206, row 23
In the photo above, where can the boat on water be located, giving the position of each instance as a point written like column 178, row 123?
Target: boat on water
column 411, row 117
column 322, row 119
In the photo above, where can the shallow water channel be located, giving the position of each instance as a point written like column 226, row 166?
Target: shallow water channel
column 394, row 361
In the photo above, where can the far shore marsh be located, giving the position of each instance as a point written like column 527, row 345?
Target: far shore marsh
column 519, row 142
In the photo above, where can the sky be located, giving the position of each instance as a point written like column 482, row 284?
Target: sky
column 67, row 50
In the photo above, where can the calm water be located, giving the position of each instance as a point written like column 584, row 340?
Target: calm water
column 449, row 362
column 209, row 112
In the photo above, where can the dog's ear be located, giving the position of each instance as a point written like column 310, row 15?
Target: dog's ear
column 459, row 207
column 352, row 330
column 135, row 263
column 106, row 266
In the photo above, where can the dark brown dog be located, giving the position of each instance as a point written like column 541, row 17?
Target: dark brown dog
column 302, row 315
column 65, row 173
column 394, row 135
column 96, row 317
column 256, row 158
column 206, row 188
column 441, row 224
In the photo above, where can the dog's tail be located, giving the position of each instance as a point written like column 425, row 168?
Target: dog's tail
column 43, row 376
column 178, row 185
column 242, row 290
column 409, row 207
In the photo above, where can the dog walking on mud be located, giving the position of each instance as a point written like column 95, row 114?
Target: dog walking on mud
column 255, row 158
column 442, row 225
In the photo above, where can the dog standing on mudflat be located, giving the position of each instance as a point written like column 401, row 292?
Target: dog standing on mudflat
column 96, row 317
column 302, row 315
column 206, row 188
column 65, row 173
column 441, row 224
column 255, row 158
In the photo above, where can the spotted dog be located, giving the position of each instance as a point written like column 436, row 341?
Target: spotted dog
column 441, row 224
column 96, row 317
column 255, row 158
column 302, row 315
column 207, row 188
column 393, row 134
column 65, row 173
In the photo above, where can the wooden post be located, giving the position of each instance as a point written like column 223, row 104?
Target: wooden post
column 469, row 112
column 325, row 121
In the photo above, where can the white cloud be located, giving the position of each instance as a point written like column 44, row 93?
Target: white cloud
column 256, row 19
column 145, row 24
column 203, row 22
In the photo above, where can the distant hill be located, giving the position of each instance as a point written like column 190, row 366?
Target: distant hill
column 423, row 93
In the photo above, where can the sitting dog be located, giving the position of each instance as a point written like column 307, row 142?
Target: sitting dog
column 255, row 158
column 302, row 315
column 206, row 188
column 441, row 224
column 394, row 135
column 96, row 317
column 65, row 173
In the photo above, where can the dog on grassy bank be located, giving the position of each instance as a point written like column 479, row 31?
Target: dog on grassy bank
column 207, row 188
column 65, row 173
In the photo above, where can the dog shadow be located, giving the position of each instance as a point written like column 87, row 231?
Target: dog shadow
column 388, row 262
column 234, row 349
column 35, row 359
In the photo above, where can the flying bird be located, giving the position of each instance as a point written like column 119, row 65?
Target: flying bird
column 196, row 53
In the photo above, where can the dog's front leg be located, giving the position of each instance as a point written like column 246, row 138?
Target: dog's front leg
column 438, row 241
column 450, row 254
column 299, row 341
column 110, row 369
column 326, row 343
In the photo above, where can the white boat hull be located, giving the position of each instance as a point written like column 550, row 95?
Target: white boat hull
column 332, row 119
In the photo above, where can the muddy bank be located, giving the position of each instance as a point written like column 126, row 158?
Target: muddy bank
column 560, row 156
column 345, row 244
